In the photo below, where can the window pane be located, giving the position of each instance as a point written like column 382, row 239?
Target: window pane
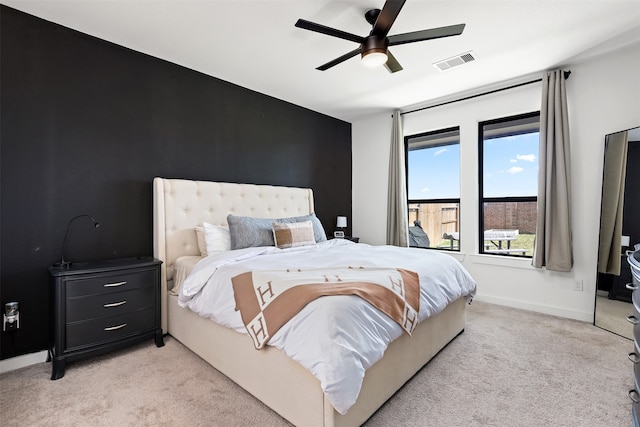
column 511, row 166
column 509, row 176
column 510, row 227
column 433, row 166
column 433, row 189
column 434, row 225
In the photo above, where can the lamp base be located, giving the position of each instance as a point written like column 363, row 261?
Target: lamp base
column 62, row 264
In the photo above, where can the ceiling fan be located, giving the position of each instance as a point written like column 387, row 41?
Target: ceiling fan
column 374, row 47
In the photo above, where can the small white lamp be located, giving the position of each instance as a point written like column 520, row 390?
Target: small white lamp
column 341, row 224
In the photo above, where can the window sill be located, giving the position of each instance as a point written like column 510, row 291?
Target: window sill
column 500, row 260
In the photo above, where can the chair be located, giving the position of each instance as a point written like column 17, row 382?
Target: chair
column 417, row 237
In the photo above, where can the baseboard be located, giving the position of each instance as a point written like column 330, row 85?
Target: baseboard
column 545, row 309
column 18, row 362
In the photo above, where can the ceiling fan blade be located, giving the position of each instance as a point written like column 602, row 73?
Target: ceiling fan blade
column 433, row 33
column 387, row 17
column 312, row 26
column 392, row 65
column 339, row 60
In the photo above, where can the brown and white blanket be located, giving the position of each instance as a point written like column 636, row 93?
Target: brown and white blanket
column 268, row 299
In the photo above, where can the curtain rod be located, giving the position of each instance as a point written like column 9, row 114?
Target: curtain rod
column 566, row 76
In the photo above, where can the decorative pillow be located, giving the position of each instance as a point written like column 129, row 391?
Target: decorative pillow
column 294, row 234
column 217, row 238
column 249, row 232
column 318, row 230
column 202, row 245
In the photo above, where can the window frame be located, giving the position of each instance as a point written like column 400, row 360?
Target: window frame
column 442, row 132
column 482, row 200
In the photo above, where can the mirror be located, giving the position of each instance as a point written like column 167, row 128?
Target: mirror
column 618, row 231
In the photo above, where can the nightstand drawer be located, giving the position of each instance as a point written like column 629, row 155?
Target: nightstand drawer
column 110, row 304
column 106, row 329
column 100, row 284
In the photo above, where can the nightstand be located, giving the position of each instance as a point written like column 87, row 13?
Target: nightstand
column 353, row 239
column 101, row 306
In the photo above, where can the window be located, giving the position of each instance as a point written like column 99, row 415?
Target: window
column 433, row 189
column 508, row 177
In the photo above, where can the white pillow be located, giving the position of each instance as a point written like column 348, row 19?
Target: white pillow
column 202, row 245
column 216, row 237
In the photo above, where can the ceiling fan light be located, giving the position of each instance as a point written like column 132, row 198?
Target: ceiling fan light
column 374, row 58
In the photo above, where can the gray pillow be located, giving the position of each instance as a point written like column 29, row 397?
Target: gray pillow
column 247, row 232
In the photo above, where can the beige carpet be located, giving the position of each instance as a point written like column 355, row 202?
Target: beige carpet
column 509, row 368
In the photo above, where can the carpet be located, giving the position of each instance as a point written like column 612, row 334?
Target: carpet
column 509, row 368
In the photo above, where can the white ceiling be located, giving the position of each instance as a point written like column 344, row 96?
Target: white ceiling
column 254, row 43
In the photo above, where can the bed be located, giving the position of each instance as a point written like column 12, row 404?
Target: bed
column 269, row 374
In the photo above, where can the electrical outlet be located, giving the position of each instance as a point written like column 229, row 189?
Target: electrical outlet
column 578, row 285
column 11, row 317
column 11, row 324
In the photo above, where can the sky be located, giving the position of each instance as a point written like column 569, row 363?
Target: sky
column 510, row 169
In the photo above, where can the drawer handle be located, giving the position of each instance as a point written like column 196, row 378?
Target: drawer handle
column 631, row 286
column 632, row 319
column 633, row 357
column 115, row 304
column 633, row 393
column 113, row 328
column 113, row 285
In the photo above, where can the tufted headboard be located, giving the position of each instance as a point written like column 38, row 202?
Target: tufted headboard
column 179, row 205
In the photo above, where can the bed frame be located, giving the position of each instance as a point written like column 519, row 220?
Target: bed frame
column 269, row 375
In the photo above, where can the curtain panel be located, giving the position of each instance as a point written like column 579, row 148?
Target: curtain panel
column 613, row 185
column 397, row 209
column 553, row 246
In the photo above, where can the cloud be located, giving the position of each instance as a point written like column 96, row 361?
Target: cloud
column 526, row 157
column 425, row 189
column 515, row 169
column 440, row 151
column 513, row 160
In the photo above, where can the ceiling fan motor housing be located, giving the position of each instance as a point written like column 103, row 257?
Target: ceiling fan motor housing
column 374, row 43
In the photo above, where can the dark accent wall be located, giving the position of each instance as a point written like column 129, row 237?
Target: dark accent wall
column 87, row 124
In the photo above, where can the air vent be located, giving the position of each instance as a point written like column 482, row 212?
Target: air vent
column 463, row 58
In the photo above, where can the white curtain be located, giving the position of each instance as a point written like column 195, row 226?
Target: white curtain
column 397, row 210
column 553, row 245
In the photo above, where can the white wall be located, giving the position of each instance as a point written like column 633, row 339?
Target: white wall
column 603, row 97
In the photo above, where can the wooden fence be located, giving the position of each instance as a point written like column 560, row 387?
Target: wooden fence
column 435, row 219
column 439, row 218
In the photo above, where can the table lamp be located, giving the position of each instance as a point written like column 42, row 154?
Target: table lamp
column 341, row 225
column 65, row 242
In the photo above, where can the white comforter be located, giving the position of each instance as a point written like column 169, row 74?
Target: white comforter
column 336, row 338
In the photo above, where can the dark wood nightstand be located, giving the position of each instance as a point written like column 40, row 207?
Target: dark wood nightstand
column 353, row 239
column 102, row 306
